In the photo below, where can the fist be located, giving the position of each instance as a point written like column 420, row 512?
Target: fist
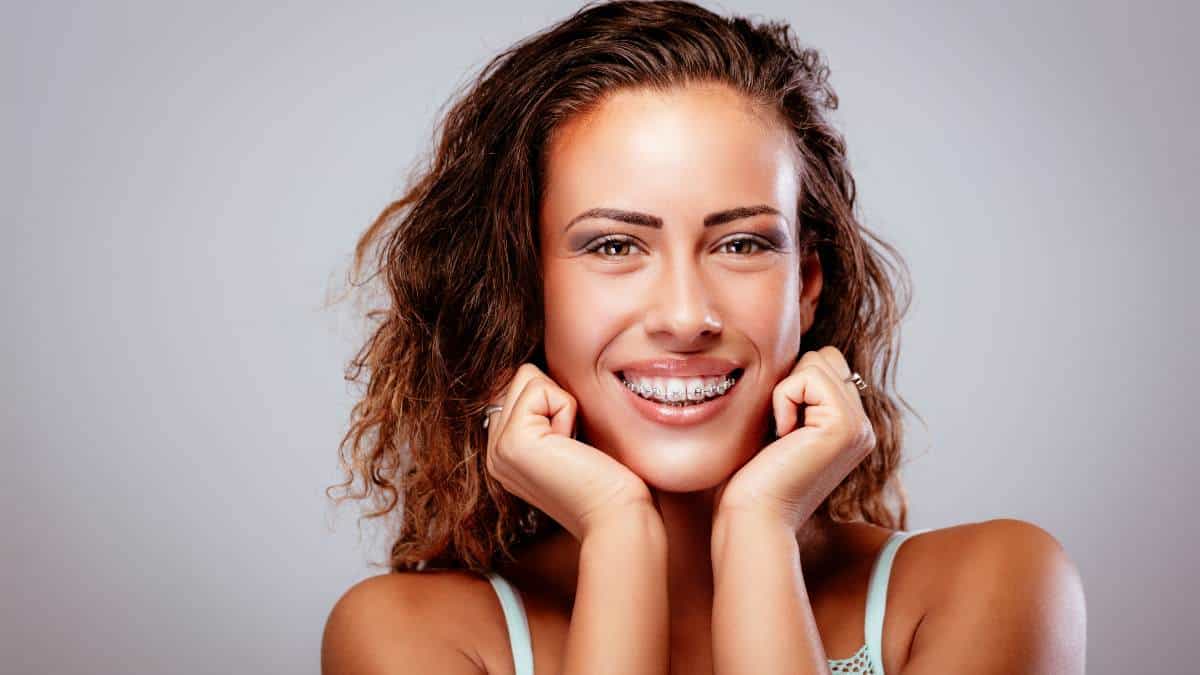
column 532, row 453
column 788, row 479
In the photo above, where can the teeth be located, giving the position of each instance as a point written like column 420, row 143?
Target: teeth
column 679, row 390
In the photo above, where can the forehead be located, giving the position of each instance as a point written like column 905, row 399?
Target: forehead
column 678, row 153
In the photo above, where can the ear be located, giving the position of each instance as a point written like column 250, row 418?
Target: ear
column 811, row 278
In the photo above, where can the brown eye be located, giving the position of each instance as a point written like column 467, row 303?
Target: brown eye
column 744, row 245
column 611, row 247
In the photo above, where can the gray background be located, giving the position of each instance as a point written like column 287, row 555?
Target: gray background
column 182, row 186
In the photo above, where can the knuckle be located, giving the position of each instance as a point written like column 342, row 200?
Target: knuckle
column 866, row 435
column 830, row 351
column 545, row 381
column 809, row 357
column 517, row 380
column 528, row 370
column 810, row 367
column 788, row 383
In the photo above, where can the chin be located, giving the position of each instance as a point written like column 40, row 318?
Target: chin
column 679, row 473
column 681, row 464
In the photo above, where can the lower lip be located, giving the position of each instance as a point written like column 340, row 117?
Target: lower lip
column 671, row 415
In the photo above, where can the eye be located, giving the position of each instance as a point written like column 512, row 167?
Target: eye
column 746, row 243
column 610, row 247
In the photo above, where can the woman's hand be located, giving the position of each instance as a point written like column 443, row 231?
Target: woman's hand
column 532, row 453
column 787, row 480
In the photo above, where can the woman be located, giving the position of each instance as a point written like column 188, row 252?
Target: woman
column 629, row 397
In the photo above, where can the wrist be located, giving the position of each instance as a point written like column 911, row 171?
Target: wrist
column 633, row 522
column 757, row 515
column 747, row 525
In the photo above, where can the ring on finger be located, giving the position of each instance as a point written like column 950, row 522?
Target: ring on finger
column 857, row 380
column 487, row 412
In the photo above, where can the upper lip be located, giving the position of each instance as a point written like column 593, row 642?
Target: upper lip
column 694, row 366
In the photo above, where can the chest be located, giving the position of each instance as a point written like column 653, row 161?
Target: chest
column 839, row 610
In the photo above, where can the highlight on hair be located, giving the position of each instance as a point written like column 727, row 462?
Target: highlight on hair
column 457, row 261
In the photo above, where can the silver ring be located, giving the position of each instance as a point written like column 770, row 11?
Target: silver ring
column 857, row 380
column 488, row 410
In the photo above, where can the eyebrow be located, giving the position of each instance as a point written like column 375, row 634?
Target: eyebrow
column 647, row 220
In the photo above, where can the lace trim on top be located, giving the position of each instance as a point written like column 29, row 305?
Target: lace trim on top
column 859, row 663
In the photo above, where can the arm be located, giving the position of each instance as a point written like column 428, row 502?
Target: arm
column 619, row 623
column 762, row 617
column 762, row 620
column 1015, row 606
column 382, row 626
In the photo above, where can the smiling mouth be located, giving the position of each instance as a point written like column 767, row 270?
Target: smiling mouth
column 680, row 392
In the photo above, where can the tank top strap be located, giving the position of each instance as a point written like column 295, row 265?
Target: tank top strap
column 877, row 595
column 517, row 623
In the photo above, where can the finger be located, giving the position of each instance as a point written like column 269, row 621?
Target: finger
column 815, row 357
column 541, row 408
column 810, row 385
column 493, row 416
column 855, row 416
column 786, row 414
column 541, row 400
column 819, row 360
column 516, row 385
column 499, row 420
column 840, row 370
column 836, row 361
column 499, row 438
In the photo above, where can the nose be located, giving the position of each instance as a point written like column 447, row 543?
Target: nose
column 682, row 311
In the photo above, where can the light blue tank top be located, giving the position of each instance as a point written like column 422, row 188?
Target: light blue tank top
column 868, row 660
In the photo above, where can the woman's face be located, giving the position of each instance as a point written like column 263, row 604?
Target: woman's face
column 680, row 281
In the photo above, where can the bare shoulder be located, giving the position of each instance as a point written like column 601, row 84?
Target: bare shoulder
column 962, row 561
column 968, row 554
column 1003, row 596
column 408, row 622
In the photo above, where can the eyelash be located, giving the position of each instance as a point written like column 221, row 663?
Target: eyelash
column 599, row 244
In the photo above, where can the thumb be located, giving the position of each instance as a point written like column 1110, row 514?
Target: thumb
column 788, row 401
column 559, row 407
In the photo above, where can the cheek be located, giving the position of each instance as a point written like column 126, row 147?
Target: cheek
column 579, row 317
column 769, row 316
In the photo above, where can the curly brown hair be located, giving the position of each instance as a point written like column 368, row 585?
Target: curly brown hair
column 458, row 260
